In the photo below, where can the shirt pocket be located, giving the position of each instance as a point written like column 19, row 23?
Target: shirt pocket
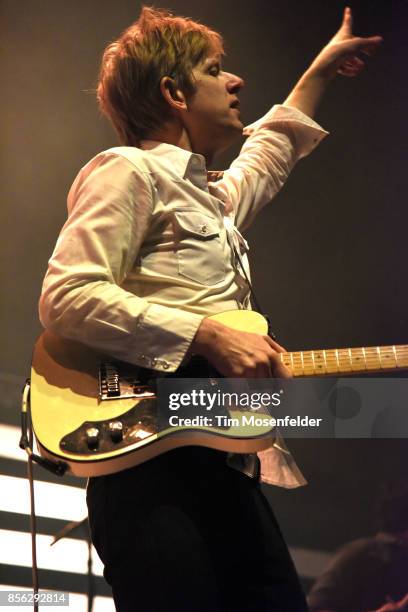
column 200, row 255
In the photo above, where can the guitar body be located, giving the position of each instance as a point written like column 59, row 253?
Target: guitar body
column 97, row 435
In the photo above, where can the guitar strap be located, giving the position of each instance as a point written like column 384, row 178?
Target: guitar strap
column 252, row 292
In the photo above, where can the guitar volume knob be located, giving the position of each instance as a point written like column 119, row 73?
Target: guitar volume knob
column 92, row 437
column 116, row 431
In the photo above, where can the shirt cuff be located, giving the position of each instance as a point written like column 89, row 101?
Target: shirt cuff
column 278, row 467
column 168, row 332
column 307, row 133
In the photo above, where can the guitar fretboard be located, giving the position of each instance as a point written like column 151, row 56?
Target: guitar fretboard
column 347, row 360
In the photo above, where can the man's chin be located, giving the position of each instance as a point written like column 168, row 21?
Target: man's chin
column 234, row 128
column 226, row 136
column 238, row 123
column 231, row 137
column 235, row 131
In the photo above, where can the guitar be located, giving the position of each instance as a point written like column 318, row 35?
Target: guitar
column 97, row 416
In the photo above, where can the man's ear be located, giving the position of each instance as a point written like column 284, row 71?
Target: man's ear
column 173, row 96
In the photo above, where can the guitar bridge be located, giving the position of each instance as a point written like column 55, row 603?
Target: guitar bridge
column 120, row 381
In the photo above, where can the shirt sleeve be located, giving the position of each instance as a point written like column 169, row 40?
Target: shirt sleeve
column 110, row 207
column 274, row 144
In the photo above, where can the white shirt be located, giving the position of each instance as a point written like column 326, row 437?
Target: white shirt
column 146, row 251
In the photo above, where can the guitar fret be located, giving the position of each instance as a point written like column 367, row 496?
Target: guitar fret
column 379, row 355
column 344, row 359
column 332, row 365
column 372, row 359
column 297, row 363
column 314, row 361
column 386, row 357
column 358, row 364
column 351, row 359
column 285, row 358
column 308, row 363
column 318, row 359
column 402, row 356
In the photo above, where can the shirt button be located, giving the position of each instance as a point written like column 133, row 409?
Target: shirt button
column 203, row 229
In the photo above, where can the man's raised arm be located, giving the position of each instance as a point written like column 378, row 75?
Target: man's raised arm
column 339, row 56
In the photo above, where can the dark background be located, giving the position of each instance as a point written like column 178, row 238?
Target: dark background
column 328, row 255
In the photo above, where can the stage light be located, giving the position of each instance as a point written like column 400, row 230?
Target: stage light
column 9, row 439
column 67, row 555
column 51, row 500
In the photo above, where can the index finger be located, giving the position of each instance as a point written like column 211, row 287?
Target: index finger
column 277, row 347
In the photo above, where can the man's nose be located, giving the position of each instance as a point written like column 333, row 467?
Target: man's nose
column 233, row 82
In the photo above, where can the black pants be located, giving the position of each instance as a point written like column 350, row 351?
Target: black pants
column 186, row 533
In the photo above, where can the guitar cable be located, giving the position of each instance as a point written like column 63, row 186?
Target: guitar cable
column 26, row 443
column 56, row 467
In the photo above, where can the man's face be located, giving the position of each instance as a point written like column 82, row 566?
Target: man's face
column 212, row 119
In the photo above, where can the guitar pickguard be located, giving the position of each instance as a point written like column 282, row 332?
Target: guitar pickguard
column 137, row 424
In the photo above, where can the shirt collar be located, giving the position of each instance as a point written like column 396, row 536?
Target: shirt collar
column 185, row 164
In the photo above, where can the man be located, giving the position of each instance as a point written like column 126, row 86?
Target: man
column 370, row 573
column 151, row 247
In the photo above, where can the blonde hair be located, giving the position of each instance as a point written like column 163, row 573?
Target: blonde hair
column 158, row 44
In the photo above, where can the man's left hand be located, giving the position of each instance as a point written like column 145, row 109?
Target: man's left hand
column 340, row 55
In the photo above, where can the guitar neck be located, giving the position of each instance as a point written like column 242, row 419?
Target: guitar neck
column 338, row 362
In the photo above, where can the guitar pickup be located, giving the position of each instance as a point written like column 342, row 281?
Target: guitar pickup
column 119, row 381
column 109, row 386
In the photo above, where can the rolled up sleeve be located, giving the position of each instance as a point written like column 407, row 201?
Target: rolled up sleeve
column 274, row 144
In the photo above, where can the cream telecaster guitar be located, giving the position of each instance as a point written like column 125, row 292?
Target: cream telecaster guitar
column 96, row 416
